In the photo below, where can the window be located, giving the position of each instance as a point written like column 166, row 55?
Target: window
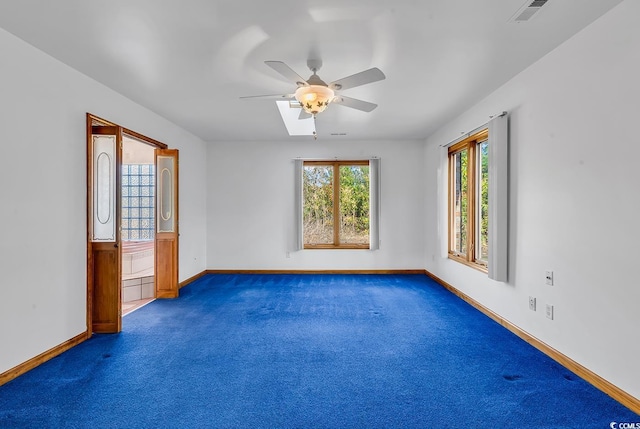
column 336, row 204
column 138, row 201
column 469, row 200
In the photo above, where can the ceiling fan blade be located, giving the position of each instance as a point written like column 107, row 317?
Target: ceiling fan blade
column 362, row 78
column 287, row 72
column 268, row 97
column 304, row 114
column 354, row 103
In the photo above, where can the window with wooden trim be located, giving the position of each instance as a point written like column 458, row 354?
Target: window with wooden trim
column 469, row 200
column 335, row 210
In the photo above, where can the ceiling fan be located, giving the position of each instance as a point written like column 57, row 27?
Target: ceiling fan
column 313, row 95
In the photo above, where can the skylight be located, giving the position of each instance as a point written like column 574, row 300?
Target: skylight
column 295, row 126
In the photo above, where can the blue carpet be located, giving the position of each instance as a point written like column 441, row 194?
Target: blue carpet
column 307, row 351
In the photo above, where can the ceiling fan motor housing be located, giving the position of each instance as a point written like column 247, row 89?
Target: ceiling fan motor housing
column 314, row 65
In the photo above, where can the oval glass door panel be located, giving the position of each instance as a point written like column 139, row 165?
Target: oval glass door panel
column 166, row 200
column 104, row 189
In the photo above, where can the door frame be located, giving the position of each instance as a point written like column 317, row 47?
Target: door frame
column 93, row 120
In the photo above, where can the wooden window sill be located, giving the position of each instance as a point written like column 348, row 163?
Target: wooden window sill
column 476, row 266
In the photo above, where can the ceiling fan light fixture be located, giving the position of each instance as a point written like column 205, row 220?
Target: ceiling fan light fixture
column 314, row 99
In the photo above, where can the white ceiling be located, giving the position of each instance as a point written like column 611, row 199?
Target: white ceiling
column 191, row 60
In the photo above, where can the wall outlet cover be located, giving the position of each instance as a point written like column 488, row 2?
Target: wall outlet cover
column 548, row 277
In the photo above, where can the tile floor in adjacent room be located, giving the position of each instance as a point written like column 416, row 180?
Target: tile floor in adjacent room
column 128, row 307
column 137, row 292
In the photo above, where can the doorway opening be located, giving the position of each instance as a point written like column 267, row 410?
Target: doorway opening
column 137, row 224
column 132, row 223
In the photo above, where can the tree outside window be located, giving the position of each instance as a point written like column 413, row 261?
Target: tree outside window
column 336, row 216
column 469, row 200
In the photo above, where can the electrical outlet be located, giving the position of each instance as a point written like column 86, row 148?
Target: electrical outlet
column 532, row 303
column 548, row 277
column 288, row 255
column 549, row 311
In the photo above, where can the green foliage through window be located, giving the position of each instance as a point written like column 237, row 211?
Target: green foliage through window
column 461, row 202
column 469, row 200
column 317, row 188
column 320, row 210
column 483, row 159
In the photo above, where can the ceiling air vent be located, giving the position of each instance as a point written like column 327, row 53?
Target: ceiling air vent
column 528, row 10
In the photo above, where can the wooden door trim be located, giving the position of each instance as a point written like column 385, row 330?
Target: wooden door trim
column 144, row 139
column 89, row 160
column 90, row 120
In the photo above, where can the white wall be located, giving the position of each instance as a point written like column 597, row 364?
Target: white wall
column 250, row 202
column 43, row 195
column 574, row 198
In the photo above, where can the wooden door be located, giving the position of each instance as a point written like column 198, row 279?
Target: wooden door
column 105, row 264
column 166, row 223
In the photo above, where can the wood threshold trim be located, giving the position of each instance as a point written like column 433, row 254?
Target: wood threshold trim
column 607, row 387
column 191, row 279
column 390, row 271
column 24, row 367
